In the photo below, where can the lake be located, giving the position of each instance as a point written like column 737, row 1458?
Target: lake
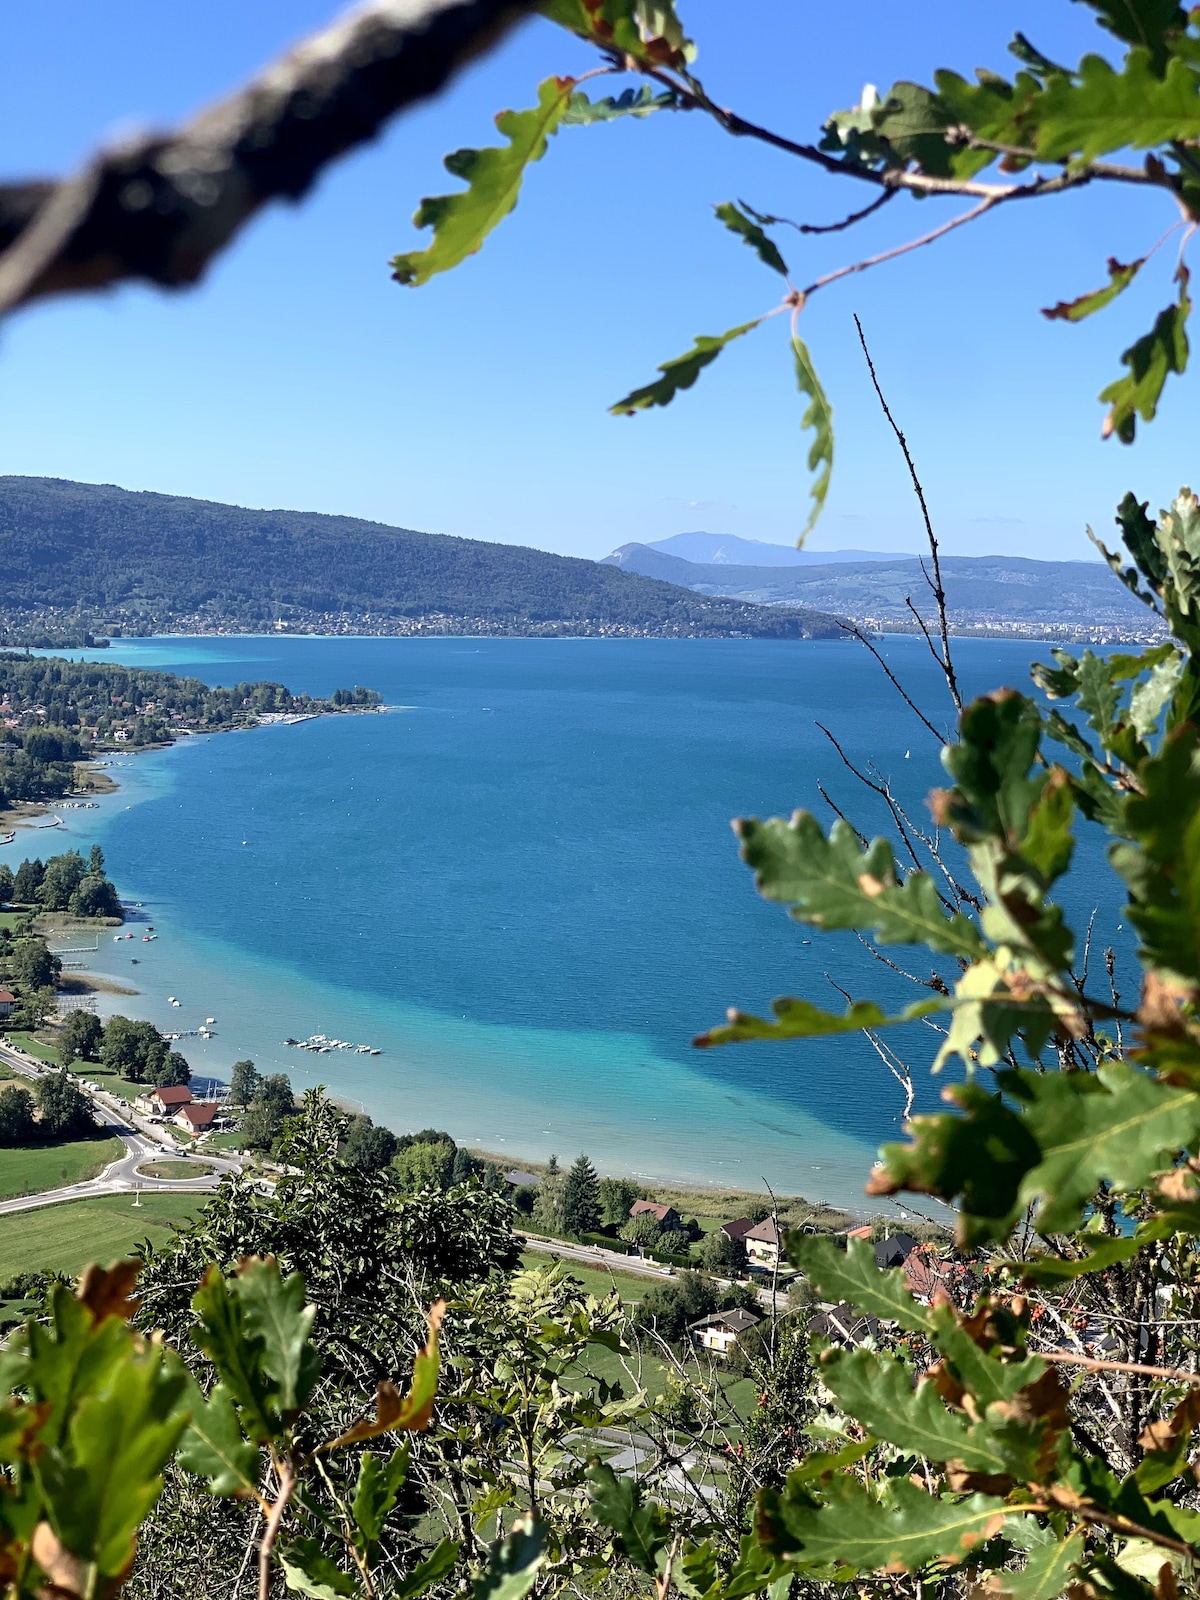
column 520, row 885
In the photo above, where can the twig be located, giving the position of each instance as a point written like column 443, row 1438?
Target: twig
column 287, row 1482
column 857, row 633
column 830, row 227
column 867, row 262
column 159, row 207
column 692, row 97
column 838, row 812
column 939, row 593
column 1138, row 1368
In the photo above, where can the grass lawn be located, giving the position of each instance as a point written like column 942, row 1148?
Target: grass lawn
column 112, row 1081
column 66, row 1237
column 223, row 1141
column 173, row 1169
column 34, row 1046
column 28, row 1169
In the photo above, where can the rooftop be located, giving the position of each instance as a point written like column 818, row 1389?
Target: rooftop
column 176, row 1094
column 200, row 1115
column 738, row 1321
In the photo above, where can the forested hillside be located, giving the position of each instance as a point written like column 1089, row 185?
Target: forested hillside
column 1007, row 593
column 81, row 555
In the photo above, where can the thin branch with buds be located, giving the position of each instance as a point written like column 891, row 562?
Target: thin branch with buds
column 944, row 661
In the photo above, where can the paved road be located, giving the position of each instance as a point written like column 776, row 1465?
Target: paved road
column 609, row 1260
column 142, row 1141
column 594, row 1256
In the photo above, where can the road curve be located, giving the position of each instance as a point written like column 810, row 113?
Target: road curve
column 142, row 1143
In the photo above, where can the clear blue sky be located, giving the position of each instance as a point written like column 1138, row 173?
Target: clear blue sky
column 299, row 375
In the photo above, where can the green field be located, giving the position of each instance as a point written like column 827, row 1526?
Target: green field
column 33, row 1046
column 173, row 1169
column 111, row 1081
column 66, row 1237
column 28, row 1169
column 223, row 1141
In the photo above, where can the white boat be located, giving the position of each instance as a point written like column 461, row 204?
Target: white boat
column 209, row 1021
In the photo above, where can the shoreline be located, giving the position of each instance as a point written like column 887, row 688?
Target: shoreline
column 666, row 1133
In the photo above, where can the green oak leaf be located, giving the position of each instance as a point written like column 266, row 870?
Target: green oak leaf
column 462, row 221
column 640, row 1526
column 894, row 1526
column 834, row 883
column 375, row 1492
column 819, row 417
column 215, row 1448
column 513, row 1563
column 1047, row 1571
column 1151, row 359
column 877, row 1391
column 1162, row 870
column 800, row 1019
column 1104, row 109
column 436, row 1565
column 640, row 102
column 237, row 1355
column 1120, row 276
column 309, row 1571
column 737, row 221
column 648, row 30
column 1146, row 22
column 277, row 1314
column 1098, row 1257
column 1116, row 1125
column 681, row 372
column 853, row 1275
column 122, row 1426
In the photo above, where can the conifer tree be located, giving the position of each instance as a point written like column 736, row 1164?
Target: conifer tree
column 581, row 1209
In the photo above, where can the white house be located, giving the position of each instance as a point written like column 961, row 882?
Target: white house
column 721, row 1331
column 764, row 1244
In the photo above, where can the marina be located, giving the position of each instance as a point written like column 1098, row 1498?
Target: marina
column 321, row 1045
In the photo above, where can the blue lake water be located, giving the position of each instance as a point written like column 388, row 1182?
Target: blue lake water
column 520, row 885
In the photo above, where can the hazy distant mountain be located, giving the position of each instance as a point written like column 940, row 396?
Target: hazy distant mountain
column 1000, row 592
column 727, row 549
column 92, row 556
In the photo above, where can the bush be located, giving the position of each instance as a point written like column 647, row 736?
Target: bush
column 669, row 1258
column 605, row 1242
column 65, row 1112
column 16, row 1115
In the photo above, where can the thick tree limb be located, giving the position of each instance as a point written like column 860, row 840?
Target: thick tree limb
column 160, row 206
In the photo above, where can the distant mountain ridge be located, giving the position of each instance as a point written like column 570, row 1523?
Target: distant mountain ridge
column 729, row 549
column 95, row 557
column 983, row 593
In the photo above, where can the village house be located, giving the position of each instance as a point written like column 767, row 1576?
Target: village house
column 666, row 1216
column 895, row 1250
column 843, row 1324
column 7, row 1001
column 737, row 1229
column 196, row 1116
column 522, row 1180
column 158, row 1102
column 764, row 1244
column 723, row 1329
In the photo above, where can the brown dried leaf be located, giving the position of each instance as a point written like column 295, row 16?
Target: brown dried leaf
column 409, row 1413
column 70, row 1578
column 1166, row 1588
column 1178, row 1184
column 105, row 1291
column 1165, row 1434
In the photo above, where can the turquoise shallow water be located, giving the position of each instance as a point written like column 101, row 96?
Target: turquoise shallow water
column 521, row 886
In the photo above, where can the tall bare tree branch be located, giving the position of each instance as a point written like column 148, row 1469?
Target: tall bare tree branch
column 159, row 207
